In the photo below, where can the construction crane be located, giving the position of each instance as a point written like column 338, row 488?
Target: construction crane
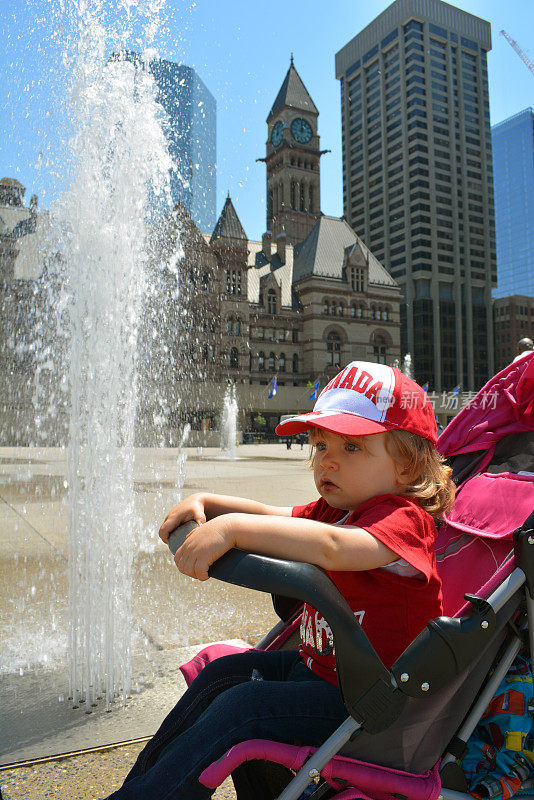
column 519, row 52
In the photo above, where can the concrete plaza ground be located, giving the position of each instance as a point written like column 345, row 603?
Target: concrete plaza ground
column 173, row 614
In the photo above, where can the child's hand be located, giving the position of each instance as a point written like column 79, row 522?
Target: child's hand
column 190, row 508
column 202, row 547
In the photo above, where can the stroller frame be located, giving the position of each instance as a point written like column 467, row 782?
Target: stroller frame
column 374, row 696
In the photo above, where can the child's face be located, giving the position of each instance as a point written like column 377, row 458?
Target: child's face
column 350, row 470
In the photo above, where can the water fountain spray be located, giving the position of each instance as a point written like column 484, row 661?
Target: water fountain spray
column 229, row 422
column 120, row 165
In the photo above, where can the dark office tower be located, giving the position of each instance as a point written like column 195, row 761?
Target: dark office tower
column 513, row 166
column 190, row 130
column 417, row 178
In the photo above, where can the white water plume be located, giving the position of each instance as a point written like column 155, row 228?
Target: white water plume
column 120, row 167
column 229, row 422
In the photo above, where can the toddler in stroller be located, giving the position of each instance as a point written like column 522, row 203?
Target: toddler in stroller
column 380, row 482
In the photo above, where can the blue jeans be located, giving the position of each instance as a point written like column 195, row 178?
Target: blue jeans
column 252, row 695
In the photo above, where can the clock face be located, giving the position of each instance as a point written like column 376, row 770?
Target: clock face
column 301, row 130
column 276, row 135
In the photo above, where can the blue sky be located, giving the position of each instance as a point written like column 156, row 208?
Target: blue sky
column 241, row 50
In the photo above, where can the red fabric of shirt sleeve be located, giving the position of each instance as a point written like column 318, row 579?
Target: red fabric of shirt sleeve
column 403, row 526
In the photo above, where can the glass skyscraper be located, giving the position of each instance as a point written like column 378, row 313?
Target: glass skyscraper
column 513, row 170
column 190, row 129
column 191, row 133
column 417, row 178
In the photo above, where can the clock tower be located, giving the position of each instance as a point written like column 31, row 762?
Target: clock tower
column 292, row 160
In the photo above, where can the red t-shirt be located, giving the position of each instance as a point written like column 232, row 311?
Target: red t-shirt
column 392, row 603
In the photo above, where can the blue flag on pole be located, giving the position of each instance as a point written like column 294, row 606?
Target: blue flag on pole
column 273, row 388
column 315, row 392
column 425, row 388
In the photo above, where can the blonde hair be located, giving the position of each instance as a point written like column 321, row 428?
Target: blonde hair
column 429, row 479
column 417, row 460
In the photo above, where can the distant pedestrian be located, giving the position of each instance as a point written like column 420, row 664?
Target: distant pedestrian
column 302, row 439
column 524, row 347
column 288, row 443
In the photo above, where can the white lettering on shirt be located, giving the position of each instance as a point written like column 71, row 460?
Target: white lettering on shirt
column 315, row 632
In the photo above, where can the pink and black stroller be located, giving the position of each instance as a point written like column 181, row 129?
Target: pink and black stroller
column 407, row 727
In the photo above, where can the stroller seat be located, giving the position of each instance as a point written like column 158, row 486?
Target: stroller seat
column 398, row 752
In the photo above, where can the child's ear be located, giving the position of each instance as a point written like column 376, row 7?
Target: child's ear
column 404, row 473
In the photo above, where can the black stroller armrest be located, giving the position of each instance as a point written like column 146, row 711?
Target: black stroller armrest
column 364, row 681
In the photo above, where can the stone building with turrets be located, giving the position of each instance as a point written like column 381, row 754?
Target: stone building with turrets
column 310, row 296
column 295, row 306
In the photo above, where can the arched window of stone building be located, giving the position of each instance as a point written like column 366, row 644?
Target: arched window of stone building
column 261, row 361
column 292, row 196
column 373, row 312
column 271, row 301
column 205, row 353
column 233, row 326
column 205, row 281
column 380, row 350
column 333, row 350
column 272, row 362
column 356, row 279
column 295, row 362
column 340, row 309
column 302, row 190
column 359, row 312
column 385, row 314
column 378, row 313
column 310, row 205
column 282, row 362
column 326, row 307
column 281, row 195
column 270, row 203
column 233, row 281
column 234, row 358
column 352, row 310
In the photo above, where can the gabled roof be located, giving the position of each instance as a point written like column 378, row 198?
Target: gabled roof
column 177, row 233
column 323, row 253
column 228, row 225
column 260, row 269
column 293, row 93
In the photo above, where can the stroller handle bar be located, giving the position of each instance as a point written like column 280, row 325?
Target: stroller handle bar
column 359, row 668
column 373, row 695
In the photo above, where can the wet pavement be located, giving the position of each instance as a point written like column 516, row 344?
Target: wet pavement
column 172, row 614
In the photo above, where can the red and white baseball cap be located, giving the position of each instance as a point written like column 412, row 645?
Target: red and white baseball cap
column 367, row 398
